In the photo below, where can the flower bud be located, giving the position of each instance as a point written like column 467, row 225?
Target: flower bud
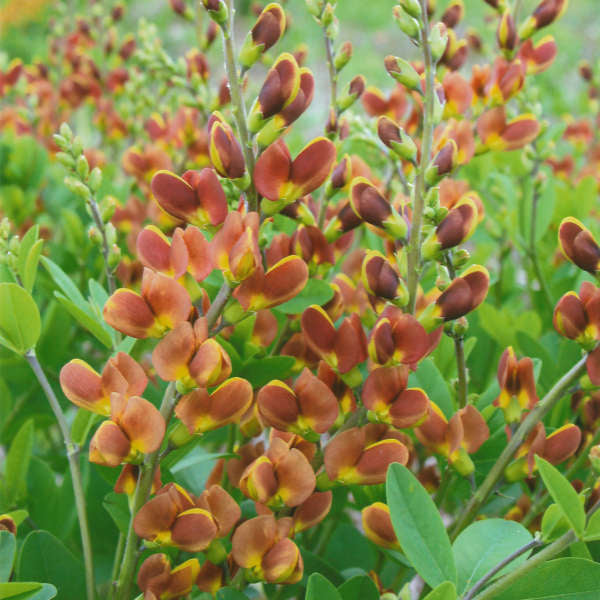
column 578, row 245
column 343, row 56
column 545, row 14
column 506, row 34
column 412, row 7
column 266, row 32
column 395, row 138
column 454, row 14
column 217, row 10
column 407, row 24
column 444, row 162
column 438, row 41
column 403, row 72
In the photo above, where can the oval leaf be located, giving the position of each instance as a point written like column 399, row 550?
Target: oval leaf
column 484, row 544
column 563, row 578
column 564, row 495
column 319, row 588
column 8, row 545
column 419, row 527
column 360, row 587
column 20, row 324
column 444, row 591
column 45, row 557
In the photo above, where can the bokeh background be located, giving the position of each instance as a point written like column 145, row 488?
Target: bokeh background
column 25, row 26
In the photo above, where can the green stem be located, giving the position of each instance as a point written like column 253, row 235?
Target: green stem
column 532, row 251
column 110, row 278
column 414, row 247
column 239, row 109
column 541, row 557
column 116, row 566
column 534, row 417
column 481, row 583
column 462, row 390
column 142, row 492
column 73, row 457
column 218, row 304
column 332, row 73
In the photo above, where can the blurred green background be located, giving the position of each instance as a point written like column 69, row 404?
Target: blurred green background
column 25, row 27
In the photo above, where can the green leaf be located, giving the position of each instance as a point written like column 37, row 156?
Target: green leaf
column 29, row 256
column 17, row 463
column 444, row 591
column 592, row 531
column 20, row 323
column 560, row 579
column 316, row 291
column 484, row 544
column 359, row 587
column 24, row 590
column 563, row 494
column 419, row 527
column 197, row 458
column 228, row 593
column 45, row 557
column 82, row 423
column 86, row 320
column 17, row 589
column 8, row 546
column 428, row 377
column 117, row 507
column 319, row 588
column 260, row 371
column 554, row 523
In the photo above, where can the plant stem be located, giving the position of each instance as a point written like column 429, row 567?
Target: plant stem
column 462, row 390
column 116, row 565
column 534, row 417
column 533, row 255
column 414, row 247
column 142, row 491
column 526, row 548
column 110, row 278
column 332, row 74
column 239, row 109
column 218, row 304
column 73, row 457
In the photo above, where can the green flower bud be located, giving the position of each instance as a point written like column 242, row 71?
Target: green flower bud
column 65, row 132
column 95, row 179
column 82, row 167
column 438, row 40
column 406, row 23
column 66, row 160
column 412, row 7
column 403, row 72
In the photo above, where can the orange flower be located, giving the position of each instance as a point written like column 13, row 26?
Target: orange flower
column 280, row 477
column 517, row 386
column 262, row 547
column 187, row 355
column 187, row 251
column 377, row 524
column 282, row 180
column 86, row 388
column 343, row 348
column 308, row 410
column 389, row 401
column 200, row 411
column 161, row 306
column 555, row 448
column 361, row 455
column 157, row 579
column 174, row 517
column 197, row 197
column 136, row 427
column 455, row 439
